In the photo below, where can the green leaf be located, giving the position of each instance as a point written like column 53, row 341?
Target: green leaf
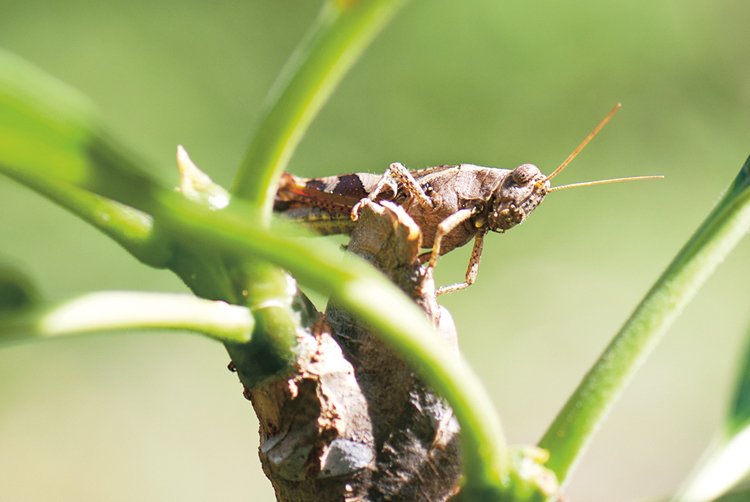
column 52, row 142
column 50, row 131
column 739, row 495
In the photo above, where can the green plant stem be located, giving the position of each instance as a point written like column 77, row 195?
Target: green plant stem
column 339, row 36
column 326, row 268
column 131, row 228
column 120, row 310
column 484, row 448
column 69, row 147
column 47, row 129
column 51, row 140
column 342, row 32
column 587, row 407
column 352, row 283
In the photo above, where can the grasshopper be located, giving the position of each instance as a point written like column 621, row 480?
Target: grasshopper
column 451, row 204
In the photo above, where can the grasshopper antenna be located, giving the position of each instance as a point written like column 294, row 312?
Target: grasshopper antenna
column 580, row 147
column 585, row 142
column 604, row 182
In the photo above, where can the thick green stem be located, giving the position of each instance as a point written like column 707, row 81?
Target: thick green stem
column 69, row 147
column 484, row 449
column 587, row 407
column 352, row 284
column 120, row 310
column 342, row 32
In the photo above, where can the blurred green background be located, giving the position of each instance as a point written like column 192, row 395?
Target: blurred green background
column 498, row 83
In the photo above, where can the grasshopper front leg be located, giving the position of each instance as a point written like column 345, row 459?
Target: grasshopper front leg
column 471, row 271
column 397, row 176
column 444, row 228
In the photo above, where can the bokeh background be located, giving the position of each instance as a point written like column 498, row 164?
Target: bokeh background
column 497, row 83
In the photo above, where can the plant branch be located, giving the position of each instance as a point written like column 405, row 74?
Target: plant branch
column 342, row 32
column 339, row 36
column 324, row 267
column 69, row 147
column 49, row 130
column 52, row 141
column 579, row 419
column 120, row 310
column 131, row 228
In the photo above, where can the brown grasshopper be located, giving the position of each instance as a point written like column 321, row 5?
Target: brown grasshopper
column 450, row 204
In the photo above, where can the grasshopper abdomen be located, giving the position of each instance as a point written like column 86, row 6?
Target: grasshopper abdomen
column 323, row 204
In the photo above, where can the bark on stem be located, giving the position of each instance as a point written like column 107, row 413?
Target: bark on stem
column 352, row 421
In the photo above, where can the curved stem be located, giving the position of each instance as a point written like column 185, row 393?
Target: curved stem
column 484, row 449
column 352, row 283
column 120, row 310
column 82, row 156
column 579, row 419
column 342, row 32
column 130, row 228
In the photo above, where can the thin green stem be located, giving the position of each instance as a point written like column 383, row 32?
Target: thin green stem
column 339, row 36
column 342, row 32
column 131, row 228
column 579, row 419
column 120, row 310
column 483, row 445
column 70, row 148
column 51, row 141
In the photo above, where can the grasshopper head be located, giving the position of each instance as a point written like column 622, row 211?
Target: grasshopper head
column 517, row 195
column 525, row 187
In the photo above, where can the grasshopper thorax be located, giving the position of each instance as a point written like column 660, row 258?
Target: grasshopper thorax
column 516, row 196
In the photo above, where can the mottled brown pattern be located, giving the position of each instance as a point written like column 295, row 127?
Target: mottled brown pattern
column 351, row 186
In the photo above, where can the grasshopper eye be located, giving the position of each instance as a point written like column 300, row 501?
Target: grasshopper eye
column 524, row 173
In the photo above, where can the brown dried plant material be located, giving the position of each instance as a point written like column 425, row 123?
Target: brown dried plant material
column 352, row 421
column 415, row 433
